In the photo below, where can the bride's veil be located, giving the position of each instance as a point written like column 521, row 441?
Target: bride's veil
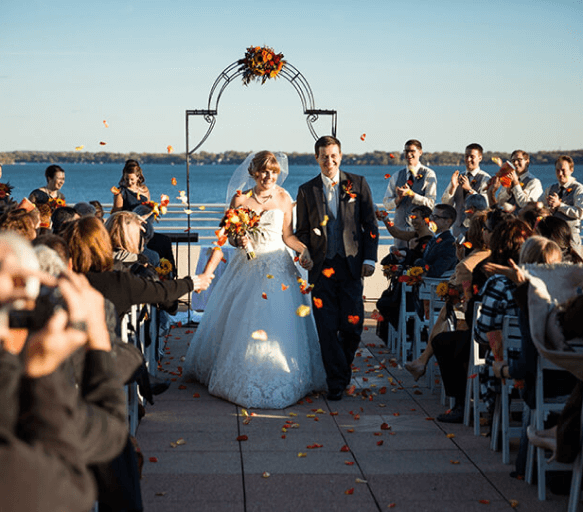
column 242, row 180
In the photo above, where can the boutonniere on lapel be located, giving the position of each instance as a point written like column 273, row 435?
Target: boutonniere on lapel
column 419, row 176
column 569, row 190
column 347, row 187
column 473, row 182
column 438, row 240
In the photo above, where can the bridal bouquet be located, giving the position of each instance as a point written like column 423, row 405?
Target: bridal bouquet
column 239, row 222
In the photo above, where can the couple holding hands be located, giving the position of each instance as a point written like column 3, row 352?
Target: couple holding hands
column 256, row 346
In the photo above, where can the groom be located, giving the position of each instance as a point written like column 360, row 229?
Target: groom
column 336, row 221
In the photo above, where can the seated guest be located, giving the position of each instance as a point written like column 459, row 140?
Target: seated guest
column 19, row 221
column 452, row 349
column 558, row 230
column 98, row 209
column 84, row 209
column 461, row 280
column 61, row 217
column 524, row 187
column 92, row 254
column 125, row 230
column 440, row 253
column 55, row 176
column 565, row 198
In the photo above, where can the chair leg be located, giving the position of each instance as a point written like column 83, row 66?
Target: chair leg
column 575, row 495
column 496, row 424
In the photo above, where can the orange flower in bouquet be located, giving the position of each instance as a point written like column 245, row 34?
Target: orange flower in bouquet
column 238, row 222
column 55, row 202
column 448, row 293
column 413, row 276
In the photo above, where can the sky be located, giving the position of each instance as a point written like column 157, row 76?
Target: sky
column 507, row 74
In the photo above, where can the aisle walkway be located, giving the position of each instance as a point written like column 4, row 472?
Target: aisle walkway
column 365, row 453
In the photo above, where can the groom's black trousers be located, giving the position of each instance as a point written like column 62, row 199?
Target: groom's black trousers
column 339, row 338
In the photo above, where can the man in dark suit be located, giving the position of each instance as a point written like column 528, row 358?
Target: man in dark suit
column 440, row 252
column 336, row 221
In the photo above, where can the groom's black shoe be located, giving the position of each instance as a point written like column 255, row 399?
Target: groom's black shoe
column 335, row 395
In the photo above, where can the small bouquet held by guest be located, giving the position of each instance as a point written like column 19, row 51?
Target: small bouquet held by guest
column 505, row 169
column 238, row 222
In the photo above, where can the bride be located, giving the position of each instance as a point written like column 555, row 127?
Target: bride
column 251, row 347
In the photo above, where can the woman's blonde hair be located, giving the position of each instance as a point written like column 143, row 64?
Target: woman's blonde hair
column 538, row 249
column 124, row 231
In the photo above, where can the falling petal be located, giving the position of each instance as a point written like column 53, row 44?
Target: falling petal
column 284, row 287
column 317, row 231
column 345, row 448
column 380, row 443
column 79, row 148
column 362, row 137
column 153, row 459
column 454, row 461
column 349, row 462
column 302, row 454
column 303, row 310
column 170, row 149
column 174, row 181
column 105, row 123
column 391, row 155
column 513, row 503
column 318, row 302
column 361, row 481
column 196, row 395
column 264, row 295
column 484, row 502
column 269, row 276
column 188, row 212
column 239, row 193
column 349, row 491
column 266, row 474
column 328, row 272
column 102, row 143
column 242, row 438
column 385, row 426
column 114, row 190
column 259, row 335
column 450, row 436
column 387, row 176
column 354, row 319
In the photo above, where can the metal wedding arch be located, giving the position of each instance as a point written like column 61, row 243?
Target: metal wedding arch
column 228, row 75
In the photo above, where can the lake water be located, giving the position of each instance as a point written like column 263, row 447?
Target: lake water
column 208, row 183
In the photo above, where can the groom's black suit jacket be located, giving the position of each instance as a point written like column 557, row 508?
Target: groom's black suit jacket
column 356, row 214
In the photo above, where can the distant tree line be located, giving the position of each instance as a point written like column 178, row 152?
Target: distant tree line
column 235, row 157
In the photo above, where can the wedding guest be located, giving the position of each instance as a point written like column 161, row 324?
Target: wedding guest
column 460, row 280
column 558, row 230
column 452, row 349
column 565, row 198
column 132, row 189
column 19, row 221
column 61, row 217
column 440, row 253
column 55, row 176
column 98, row 209
column 92, row 254
column 83, row 209
column 463, row 185
column 126, row 232
column 533, row 212
column 523, row 189
column 336, row 222
column 415, row 185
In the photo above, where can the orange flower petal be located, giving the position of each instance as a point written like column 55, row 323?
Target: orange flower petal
column 242, row 438
column 345, row 448
column 318, row 302
column 284, row 287
column 351, row 490
column 174, row 182
column 264, row 295
column 362, row 137
column 328, row 272
column 153, row 459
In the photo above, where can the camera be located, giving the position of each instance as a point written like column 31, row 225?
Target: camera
column 48, row 302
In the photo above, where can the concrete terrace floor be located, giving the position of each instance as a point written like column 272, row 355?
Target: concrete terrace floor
column 418, row 464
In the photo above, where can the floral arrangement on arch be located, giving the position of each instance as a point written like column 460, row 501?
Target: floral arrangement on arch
column 261, row 63
column 449, row 293
column 414, row 276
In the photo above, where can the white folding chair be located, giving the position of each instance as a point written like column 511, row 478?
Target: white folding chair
column 404, row 343
column 542, row 410
column 512, row 339
column 473, row 401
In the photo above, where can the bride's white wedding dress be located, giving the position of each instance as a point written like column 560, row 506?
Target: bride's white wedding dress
column 261, row 294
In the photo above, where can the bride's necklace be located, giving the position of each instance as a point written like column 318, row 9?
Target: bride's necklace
column 261, row 200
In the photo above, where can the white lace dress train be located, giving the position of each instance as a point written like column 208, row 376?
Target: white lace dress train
column 261, row 294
